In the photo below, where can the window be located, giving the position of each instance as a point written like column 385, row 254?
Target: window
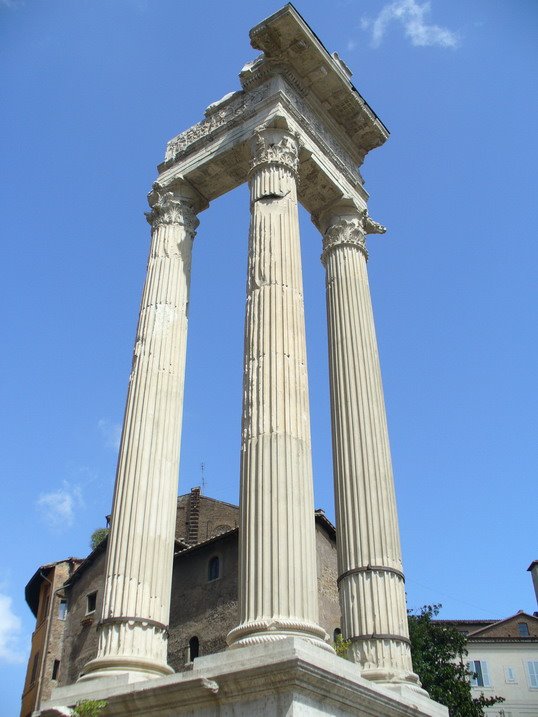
column 479, row 673
column 510, row 675
column 194, row 648
column 523, row 629
column 91, row 602
column 45, row 606
column 55, row 669
column 62, row 610
column 213, row 569
column 337, row 634
column 532, row 669
column 34, row 668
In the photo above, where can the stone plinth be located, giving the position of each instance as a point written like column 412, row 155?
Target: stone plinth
column 290, row 677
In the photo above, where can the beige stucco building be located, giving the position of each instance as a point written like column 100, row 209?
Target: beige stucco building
column 503, row 655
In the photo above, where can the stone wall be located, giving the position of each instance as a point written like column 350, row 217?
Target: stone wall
column 329, row 608
column 214, row 516
column 203, row 608
column 80, row 637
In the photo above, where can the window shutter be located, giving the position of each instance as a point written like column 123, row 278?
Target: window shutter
column 472, row 678
column 485, row 674
column 533, row 673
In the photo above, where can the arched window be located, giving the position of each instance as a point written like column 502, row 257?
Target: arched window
column 194, row 648
column 213, row 568
column 337, row 634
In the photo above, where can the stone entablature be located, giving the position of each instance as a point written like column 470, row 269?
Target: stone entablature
column 296, row 85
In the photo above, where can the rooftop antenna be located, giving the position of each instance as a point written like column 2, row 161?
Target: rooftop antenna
column 202, row 466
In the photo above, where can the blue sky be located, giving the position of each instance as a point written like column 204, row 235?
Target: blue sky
column 90, row 93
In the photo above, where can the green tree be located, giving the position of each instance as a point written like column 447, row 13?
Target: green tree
column 438, row 659
column 89, row 708
column 98, row 536
column 341, row 646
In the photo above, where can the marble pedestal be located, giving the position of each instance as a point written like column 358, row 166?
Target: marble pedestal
column 290, row 677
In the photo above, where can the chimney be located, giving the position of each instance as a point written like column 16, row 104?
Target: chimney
column 193, row 516
column 533, row 569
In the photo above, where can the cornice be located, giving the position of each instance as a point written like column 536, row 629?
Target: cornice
column 286, row 39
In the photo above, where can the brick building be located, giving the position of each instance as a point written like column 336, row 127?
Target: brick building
column 47, row 599
column 204, row 606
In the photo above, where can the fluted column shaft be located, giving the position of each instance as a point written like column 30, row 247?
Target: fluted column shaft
column 277, row 575
column 136, row 601
column 371, row 582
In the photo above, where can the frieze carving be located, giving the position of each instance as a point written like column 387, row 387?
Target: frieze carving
column 309, row 120
column 229, row 114
column 284, row 152
column 234, row 112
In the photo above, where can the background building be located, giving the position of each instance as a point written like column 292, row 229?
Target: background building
column 503, row 654
column 46, row 598
column 204, row 596
column 66, row 599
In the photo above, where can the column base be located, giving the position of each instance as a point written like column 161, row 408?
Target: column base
column 256, row 632
column 379, row 674
column 135, row 668
column 392, row 679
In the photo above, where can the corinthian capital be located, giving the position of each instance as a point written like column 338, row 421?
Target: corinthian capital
column 344, row 231
column 275, row 146
column 345, row 225
column 172, row 205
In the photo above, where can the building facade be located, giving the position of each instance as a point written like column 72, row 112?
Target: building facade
column 503, row 655
column 204, row 596
column 47, row 599
column 66, row 598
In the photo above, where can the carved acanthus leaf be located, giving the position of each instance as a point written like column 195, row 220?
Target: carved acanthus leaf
column 346, row 231
column 167, row 207
column 266, row 150
column 349, row 230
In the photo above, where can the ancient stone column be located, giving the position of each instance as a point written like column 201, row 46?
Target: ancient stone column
column 136, row 602
column 371, row 582
column 277, row 574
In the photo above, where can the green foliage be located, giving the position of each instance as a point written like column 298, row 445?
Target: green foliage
column 341, row 646
column 438, row 653
column 98, row 536
column 89, row 708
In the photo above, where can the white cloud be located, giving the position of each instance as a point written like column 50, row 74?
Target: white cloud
column 10, row 628
column 57, row 508
column 111, row 432
column 412, row 16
